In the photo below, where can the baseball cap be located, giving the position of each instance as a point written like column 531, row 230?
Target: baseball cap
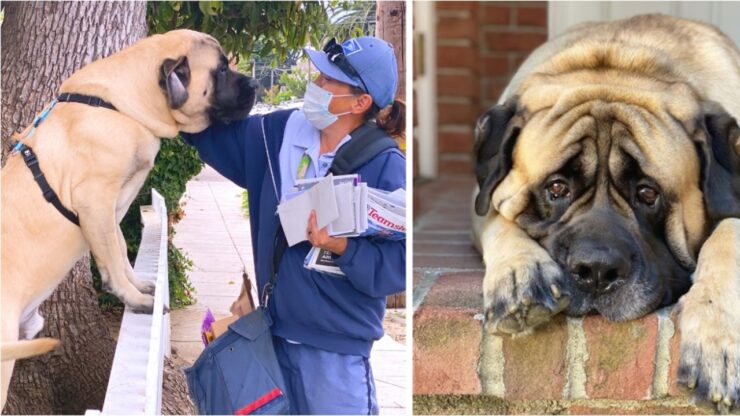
column 373, row 61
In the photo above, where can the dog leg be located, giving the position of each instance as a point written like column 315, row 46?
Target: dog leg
column 523, row 286
column 710, row 320
column 143, row 286
column 99, row 226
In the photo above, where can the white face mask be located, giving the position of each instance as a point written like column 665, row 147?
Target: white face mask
column 316, row 106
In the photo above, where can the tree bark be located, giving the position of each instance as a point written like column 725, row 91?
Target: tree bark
column 391, row 26
column 43, row 43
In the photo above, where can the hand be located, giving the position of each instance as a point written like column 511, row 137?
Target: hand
column 320, row 237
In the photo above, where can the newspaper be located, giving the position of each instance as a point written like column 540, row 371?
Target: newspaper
column 347, row 207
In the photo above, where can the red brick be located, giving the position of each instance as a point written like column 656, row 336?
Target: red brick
column 454, row 28
column 443, row 247
column 465, row 262
column 456, row 167
column 449, row 113
column 534, row 366
column 457, row 85
column 495, row 14
column 495, row 90
column 489, row 66
column 621, row 357
column 675, row 389
column 531, row 16
column 456, row 5
column 519, row 59
column 446, row 351
column 430, row 236
column 446, row 224
column 457, row 290
column 512, row 42
column 456, row 57
column 456, row 142
column 459, row 210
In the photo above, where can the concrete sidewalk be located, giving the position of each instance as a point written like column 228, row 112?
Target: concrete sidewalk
column 215, row 235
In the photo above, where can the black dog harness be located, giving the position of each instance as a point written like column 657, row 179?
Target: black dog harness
column 32, row 161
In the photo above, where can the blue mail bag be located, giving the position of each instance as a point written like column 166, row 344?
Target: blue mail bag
column 238, row 373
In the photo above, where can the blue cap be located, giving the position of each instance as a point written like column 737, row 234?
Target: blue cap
column 373, row 60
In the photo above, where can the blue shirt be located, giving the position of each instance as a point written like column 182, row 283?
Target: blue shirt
column 300, row 138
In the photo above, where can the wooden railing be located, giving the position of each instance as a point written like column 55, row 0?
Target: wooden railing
column 135, row 384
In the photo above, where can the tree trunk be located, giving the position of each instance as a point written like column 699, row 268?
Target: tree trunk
column 43, row 43
column 391, row 26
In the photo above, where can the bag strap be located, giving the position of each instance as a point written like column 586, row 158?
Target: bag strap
column 280, row 243
column 367, row 142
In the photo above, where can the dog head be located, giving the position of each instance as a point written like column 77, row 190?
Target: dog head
column 198, row 84
column 619, row 177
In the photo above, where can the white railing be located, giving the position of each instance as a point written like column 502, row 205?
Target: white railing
column 135, row 384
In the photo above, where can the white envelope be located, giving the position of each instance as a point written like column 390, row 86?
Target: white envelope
column 294, row 213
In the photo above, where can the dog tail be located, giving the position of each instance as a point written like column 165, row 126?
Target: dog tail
column 23, row 349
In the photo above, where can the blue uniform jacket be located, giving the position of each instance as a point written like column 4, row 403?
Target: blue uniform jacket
column 339, row 314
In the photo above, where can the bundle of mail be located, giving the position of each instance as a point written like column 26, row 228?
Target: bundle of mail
column 347, row 207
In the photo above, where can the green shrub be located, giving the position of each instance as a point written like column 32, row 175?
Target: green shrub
column 294, row 82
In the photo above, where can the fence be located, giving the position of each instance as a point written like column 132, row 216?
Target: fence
column 135, row 384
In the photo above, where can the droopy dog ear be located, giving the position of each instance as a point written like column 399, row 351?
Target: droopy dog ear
column 720, row 165
column 174, row 78
column 495, row 136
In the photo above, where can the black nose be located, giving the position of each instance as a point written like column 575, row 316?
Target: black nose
column 253, row 84
column 597, row 269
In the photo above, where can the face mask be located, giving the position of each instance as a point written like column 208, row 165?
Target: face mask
column 316, row 106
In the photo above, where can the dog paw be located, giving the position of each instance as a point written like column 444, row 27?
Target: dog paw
column 523, row 294
column 710, row 346
column 145, row 286
column 145, row 305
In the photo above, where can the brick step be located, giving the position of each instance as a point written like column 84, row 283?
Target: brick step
column 564, row 361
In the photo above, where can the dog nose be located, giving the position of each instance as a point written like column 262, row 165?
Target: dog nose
column 598, row 270
column 253, row 84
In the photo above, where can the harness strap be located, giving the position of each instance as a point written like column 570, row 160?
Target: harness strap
column 32, row 161
column 49, row 195
column 90, row 100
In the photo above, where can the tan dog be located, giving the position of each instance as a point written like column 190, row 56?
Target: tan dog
column 96, row 159
column 609, row 182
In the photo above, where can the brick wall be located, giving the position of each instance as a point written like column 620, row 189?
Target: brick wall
column 479, row 47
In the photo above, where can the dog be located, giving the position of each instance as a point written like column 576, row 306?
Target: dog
column 608, row 181
column 96, row 159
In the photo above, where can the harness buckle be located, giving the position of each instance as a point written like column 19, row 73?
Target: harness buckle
column 30, row 157
column 94, row 101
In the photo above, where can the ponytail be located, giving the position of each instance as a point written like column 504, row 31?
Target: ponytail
column 392, row 119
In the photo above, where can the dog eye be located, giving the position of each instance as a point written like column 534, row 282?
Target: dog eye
column 647, row 195
column 558, row 189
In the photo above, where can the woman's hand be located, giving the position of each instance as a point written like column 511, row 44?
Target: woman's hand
column 320, row 237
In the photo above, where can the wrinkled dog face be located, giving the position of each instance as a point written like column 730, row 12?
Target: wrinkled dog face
column 201, row 89
column 603, row 220
column 610, row 191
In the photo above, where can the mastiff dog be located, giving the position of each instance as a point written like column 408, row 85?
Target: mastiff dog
column 609, row 182
column 94, row 146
